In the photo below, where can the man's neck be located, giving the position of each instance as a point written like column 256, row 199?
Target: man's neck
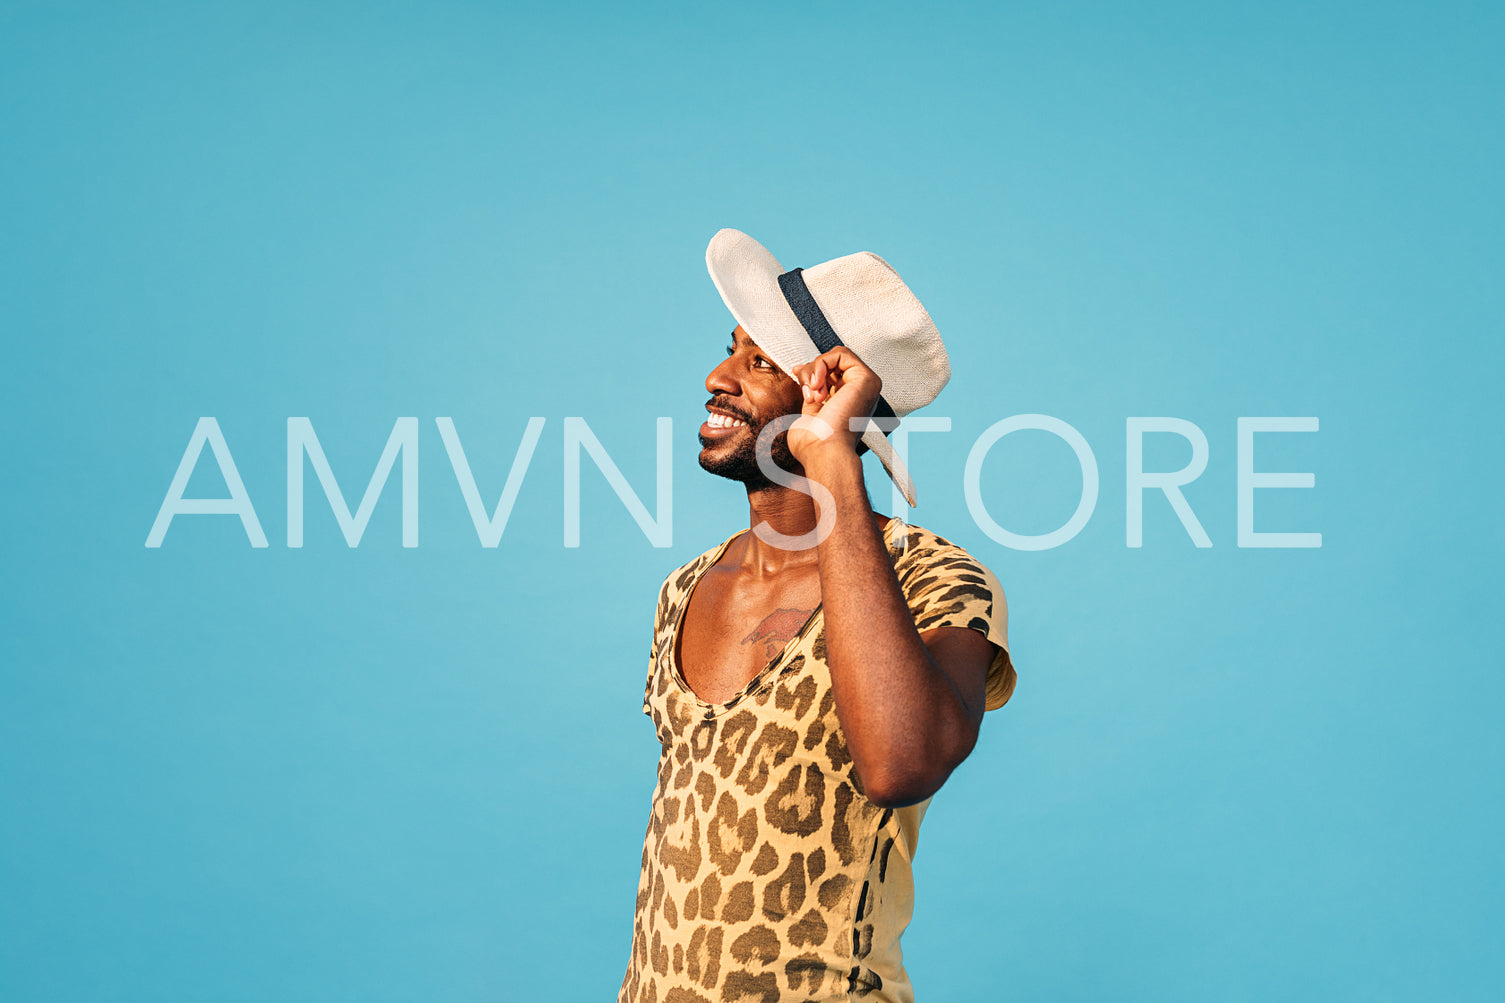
column 788, row 512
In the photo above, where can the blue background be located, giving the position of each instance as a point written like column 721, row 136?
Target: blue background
column 387, row 774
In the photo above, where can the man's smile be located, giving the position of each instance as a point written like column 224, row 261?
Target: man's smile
column 722, row 421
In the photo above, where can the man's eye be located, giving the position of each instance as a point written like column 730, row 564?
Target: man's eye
column 760, row 361
column 730, row 351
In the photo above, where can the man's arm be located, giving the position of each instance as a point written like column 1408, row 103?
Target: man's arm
column 910, row 706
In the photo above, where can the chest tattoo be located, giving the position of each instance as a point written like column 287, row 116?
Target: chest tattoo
column 775, row 629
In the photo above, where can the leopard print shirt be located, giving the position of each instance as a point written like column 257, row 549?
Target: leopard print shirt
column 767, row 875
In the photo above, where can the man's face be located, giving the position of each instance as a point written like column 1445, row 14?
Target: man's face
column 747, row 392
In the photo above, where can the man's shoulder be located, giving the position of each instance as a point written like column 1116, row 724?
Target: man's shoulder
column 925, row 561
column 916, row 545
column 682, row 577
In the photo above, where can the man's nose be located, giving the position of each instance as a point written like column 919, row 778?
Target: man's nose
column 722, row 379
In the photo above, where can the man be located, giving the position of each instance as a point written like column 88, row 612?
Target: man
column 815, row 678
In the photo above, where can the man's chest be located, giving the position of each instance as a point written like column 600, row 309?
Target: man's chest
column 734, row 628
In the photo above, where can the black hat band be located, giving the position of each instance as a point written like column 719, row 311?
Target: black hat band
column 815, row 324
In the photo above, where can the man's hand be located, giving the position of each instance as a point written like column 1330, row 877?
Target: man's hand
column 837, row 387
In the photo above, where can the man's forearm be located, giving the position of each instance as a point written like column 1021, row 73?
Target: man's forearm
column 905, row 722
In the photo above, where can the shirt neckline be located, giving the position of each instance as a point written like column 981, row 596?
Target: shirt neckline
column 755, row 683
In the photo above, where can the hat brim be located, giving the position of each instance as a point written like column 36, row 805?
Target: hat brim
column 746, row 275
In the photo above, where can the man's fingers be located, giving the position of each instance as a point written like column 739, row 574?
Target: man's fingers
column 827, row 373
column 841, row 362
column 838, row 361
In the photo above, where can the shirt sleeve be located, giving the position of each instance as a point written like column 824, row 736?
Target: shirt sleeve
column 947, row 587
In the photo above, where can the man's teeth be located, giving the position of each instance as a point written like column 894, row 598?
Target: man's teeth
column 722, row 421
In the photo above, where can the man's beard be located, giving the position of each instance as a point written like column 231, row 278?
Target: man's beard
column 741, row 463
